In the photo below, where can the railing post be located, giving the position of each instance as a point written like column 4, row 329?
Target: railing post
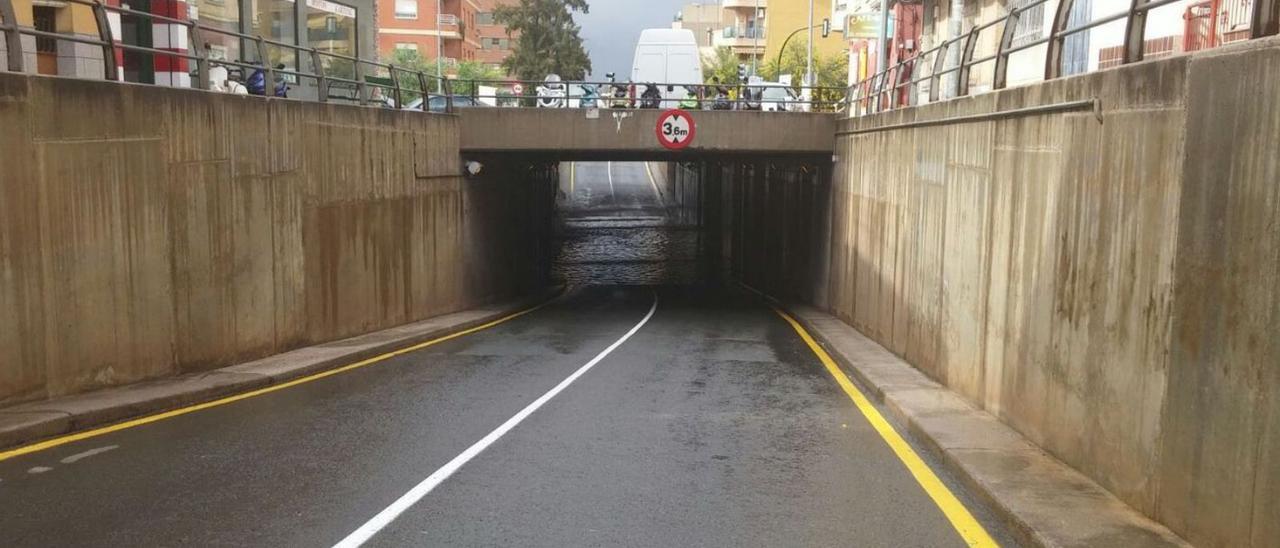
column 424, row 91
column 202, row 58
column 939, row 65
column 395, row 86
column 108, row 41
column 322, row 83
column 361, row 86
column 448, row 94
column 966, row 60
column 1266, row 18
column 12, row 38
column 1053, row 57
column 268, row 72
column 1135, row 32
column 1002, row 56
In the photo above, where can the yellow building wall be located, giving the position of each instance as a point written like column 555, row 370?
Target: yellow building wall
column 22, row 9
column 785, row 16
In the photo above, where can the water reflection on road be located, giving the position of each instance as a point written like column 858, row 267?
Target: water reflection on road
column 618, row 224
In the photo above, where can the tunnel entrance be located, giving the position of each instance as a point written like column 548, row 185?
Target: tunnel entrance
column 631, row 223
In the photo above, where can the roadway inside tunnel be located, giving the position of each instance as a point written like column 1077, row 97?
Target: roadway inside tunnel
column 626, row 223
column 646, row 406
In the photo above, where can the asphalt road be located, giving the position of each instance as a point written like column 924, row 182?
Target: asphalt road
column 713, row 426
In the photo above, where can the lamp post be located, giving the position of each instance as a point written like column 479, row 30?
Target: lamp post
column 808, row 75
column 439, row 47
column 755, row 39
column 882, row 37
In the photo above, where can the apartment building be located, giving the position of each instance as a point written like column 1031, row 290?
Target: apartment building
column 456, row 30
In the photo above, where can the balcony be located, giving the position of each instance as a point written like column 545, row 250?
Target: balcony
column 739, row 38
column 746, row 4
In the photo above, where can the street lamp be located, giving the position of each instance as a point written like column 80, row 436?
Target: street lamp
column 755, row 39
column 439, row 48
column 808, row 74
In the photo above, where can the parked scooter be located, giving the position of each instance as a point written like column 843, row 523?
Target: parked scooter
column 651, row 98
column 690, row 101
column 553, row 93
column 619, row 93
column 590, row 96
column 220, row 80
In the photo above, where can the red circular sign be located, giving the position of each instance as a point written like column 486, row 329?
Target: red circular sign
column 676, row 129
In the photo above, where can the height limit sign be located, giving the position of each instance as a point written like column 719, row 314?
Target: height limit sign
column 676, row 129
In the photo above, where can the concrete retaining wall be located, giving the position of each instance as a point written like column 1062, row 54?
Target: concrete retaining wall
column 1109, row 287
column 147, row 231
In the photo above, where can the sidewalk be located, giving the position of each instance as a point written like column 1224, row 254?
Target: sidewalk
column 1045, row 502
column 33, row 421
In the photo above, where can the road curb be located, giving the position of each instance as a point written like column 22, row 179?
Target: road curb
column 34, row 421
column 1043, row 501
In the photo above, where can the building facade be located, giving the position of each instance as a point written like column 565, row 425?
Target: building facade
column 341, row 28
column 456, row 30
column 790, row 19
column 707, row 21
column 745, row 24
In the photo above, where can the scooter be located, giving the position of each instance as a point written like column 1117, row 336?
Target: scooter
column 721, row 102
column 619, row 94
column 590, row 96
column 690, row 101
column 552, row 93
column 651, row 98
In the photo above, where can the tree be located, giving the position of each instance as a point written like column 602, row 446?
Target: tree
column 463, row 83
column 724, row 67
column 832, row 71
column 548, row 40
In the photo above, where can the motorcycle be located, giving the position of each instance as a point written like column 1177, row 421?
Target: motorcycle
column 552, row 93
column 690, row 101
column 651, row 98
column 590, row 96
column 752, row 96
column 721, row 101
column 619, row 94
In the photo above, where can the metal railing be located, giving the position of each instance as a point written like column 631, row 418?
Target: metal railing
column 896, row 86
column 391, row 91
column 626, row 95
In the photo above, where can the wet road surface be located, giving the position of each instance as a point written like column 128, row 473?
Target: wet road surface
column 713, row 426
column 615, row 228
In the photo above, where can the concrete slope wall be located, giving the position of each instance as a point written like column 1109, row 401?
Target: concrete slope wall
column 147, row 231
column 1109, row 287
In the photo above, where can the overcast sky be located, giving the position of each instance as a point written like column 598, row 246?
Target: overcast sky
column 612, row 28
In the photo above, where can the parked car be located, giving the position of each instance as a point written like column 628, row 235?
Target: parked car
column 437, row 103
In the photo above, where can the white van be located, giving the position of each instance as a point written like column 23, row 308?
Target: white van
column 667, row 56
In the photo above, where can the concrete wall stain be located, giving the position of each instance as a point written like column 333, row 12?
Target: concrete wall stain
column 147, row 231
column 1111, row 289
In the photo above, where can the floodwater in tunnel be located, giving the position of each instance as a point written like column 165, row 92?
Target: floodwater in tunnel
column 625, row 223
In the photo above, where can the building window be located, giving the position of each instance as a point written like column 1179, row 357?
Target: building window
column 406, row 9
column 484, row 19
column 276, row 20
column 222, row 16
column 331, row 28
column 45, row 20
column 408, row 46
column 496, row 43
column 1030, row 23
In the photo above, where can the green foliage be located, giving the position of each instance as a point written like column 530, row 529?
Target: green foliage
column 461, row 84
column 548, row 40
column 832, row 70
column 724, row 67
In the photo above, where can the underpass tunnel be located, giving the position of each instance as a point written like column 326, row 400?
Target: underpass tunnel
column 706, row 221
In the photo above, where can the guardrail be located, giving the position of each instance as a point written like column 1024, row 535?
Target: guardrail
column 738, row 97
column 895, row 86
column 367, row 86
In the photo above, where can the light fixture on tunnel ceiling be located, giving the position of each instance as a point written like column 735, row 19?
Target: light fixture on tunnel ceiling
column 473, row 168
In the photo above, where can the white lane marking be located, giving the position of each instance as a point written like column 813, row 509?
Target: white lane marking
column 89, row 453
column 385, row 517
column 612, row 194
column 38, row 469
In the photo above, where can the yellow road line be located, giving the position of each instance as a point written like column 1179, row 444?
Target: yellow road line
column 55, row 442
column 964, row 523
